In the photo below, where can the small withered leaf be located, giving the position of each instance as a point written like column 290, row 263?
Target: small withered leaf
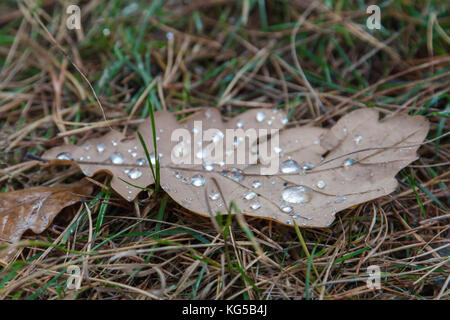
column 319, row 171
column 34, row 209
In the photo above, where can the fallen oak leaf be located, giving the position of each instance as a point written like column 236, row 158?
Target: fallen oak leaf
column 124, row 157
column 307, row 188
column 34, row 209
column 362, row 155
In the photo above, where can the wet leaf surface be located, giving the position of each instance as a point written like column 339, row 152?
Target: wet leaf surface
column 319, row 171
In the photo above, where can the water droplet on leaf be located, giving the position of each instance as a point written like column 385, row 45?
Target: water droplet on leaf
column 64, row 156
column 287, row 209
column 307, row 167
column 117, row 158
column 349, row 162
column 289, row 166
column 255, row 205
column 198, row 180
column 297, row 194
column 321, row 184
column 256, row 184
column 101, row 147
column 357, row 139
column 214, row 196
column 141, row 161
column 233, row 174
column 208, row 166
column 260, row 116
column 135, row 174
column 249, row 195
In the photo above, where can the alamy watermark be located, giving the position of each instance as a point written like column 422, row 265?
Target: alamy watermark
column 74, row 280
column 234, row 146
column 374, row 21
column 374, row 277
column 73, row 21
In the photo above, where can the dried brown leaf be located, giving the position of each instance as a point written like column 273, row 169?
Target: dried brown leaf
column 322, row 171
column 34, row 209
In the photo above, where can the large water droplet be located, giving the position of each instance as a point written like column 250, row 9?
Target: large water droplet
column 233, row 174
column 255, row 205
column 141, row 161
column 117, row 158
column 287, row 209
column 208, row 166
column 289, row 166
column 198, row 180
column 64, row 156
column 249, row 195
column 135, row 174
column 101, row 147
column 260, row 116
column 297, row 194
column 256, row 184
column 321, row 184
column 307, row 167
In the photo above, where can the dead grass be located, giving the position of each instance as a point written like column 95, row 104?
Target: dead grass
column 315, row 63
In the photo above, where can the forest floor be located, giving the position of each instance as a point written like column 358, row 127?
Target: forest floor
column 194, row 50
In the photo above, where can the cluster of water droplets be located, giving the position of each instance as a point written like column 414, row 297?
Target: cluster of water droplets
column 295, row 195
column 262, row 116
column 116, row 158
column 234, row 174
